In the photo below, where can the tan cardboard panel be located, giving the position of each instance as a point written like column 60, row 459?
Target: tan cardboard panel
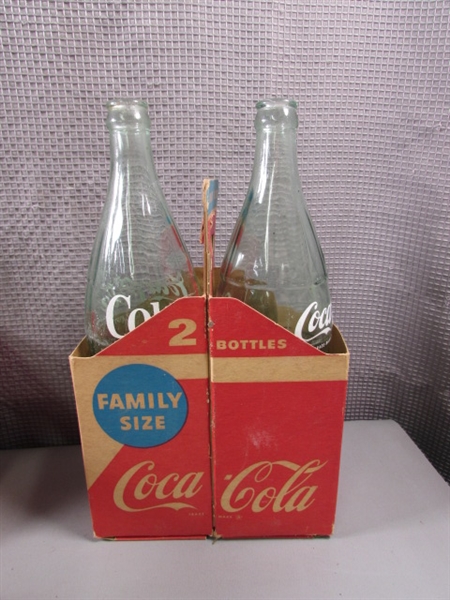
column 180, row 366
column 98, row 448
column 280, row 368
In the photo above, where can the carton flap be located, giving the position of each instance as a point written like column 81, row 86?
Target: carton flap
column 177, row 329
column 239, row 330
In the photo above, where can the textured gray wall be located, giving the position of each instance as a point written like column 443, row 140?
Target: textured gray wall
column 372, row 82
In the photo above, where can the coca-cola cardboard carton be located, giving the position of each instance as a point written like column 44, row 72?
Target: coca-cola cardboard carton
column 144, row 420
column 277, row 411
column 262, row 460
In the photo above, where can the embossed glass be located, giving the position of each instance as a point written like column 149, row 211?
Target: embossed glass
column 274, row 262
column 139, row 263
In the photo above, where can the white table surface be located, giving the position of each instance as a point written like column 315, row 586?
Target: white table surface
column 392, row 536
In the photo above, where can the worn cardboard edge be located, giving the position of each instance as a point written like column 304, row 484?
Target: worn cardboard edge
column 152, row 539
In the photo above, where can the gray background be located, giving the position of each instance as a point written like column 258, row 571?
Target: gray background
column 372, row 82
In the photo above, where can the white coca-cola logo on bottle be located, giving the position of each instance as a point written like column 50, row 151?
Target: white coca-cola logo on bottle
column 175, row 288
column 314, row 322
column 110, row 311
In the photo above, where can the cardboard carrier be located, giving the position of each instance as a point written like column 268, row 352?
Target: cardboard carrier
column 210, row 420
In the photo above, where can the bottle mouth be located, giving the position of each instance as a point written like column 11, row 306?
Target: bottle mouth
column 129, row 113
column 276, row 112
column 276, row 103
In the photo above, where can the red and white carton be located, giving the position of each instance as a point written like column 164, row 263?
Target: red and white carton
column 211, row 375
column 143, row 411
column 277, row 412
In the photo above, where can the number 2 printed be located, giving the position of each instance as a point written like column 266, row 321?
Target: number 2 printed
column 188, row 327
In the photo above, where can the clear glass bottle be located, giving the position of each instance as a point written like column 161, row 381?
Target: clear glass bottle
column 139, row 263
column 274, row 262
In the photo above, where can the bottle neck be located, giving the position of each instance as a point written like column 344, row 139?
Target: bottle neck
column 275, row 156
column 276, row 124
column 130, row 151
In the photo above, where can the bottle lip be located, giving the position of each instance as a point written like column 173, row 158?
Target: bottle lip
column 126, row 102
column 276, row 112
column 276, row 102
column 127, row 113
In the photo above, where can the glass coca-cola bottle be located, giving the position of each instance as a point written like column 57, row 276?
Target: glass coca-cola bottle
column 274, row 262
column 139, row 263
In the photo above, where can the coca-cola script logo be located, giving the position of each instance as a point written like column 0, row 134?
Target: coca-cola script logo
column 314, row 323
column 280, row 485
column 140, row 489
column 174, row 288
